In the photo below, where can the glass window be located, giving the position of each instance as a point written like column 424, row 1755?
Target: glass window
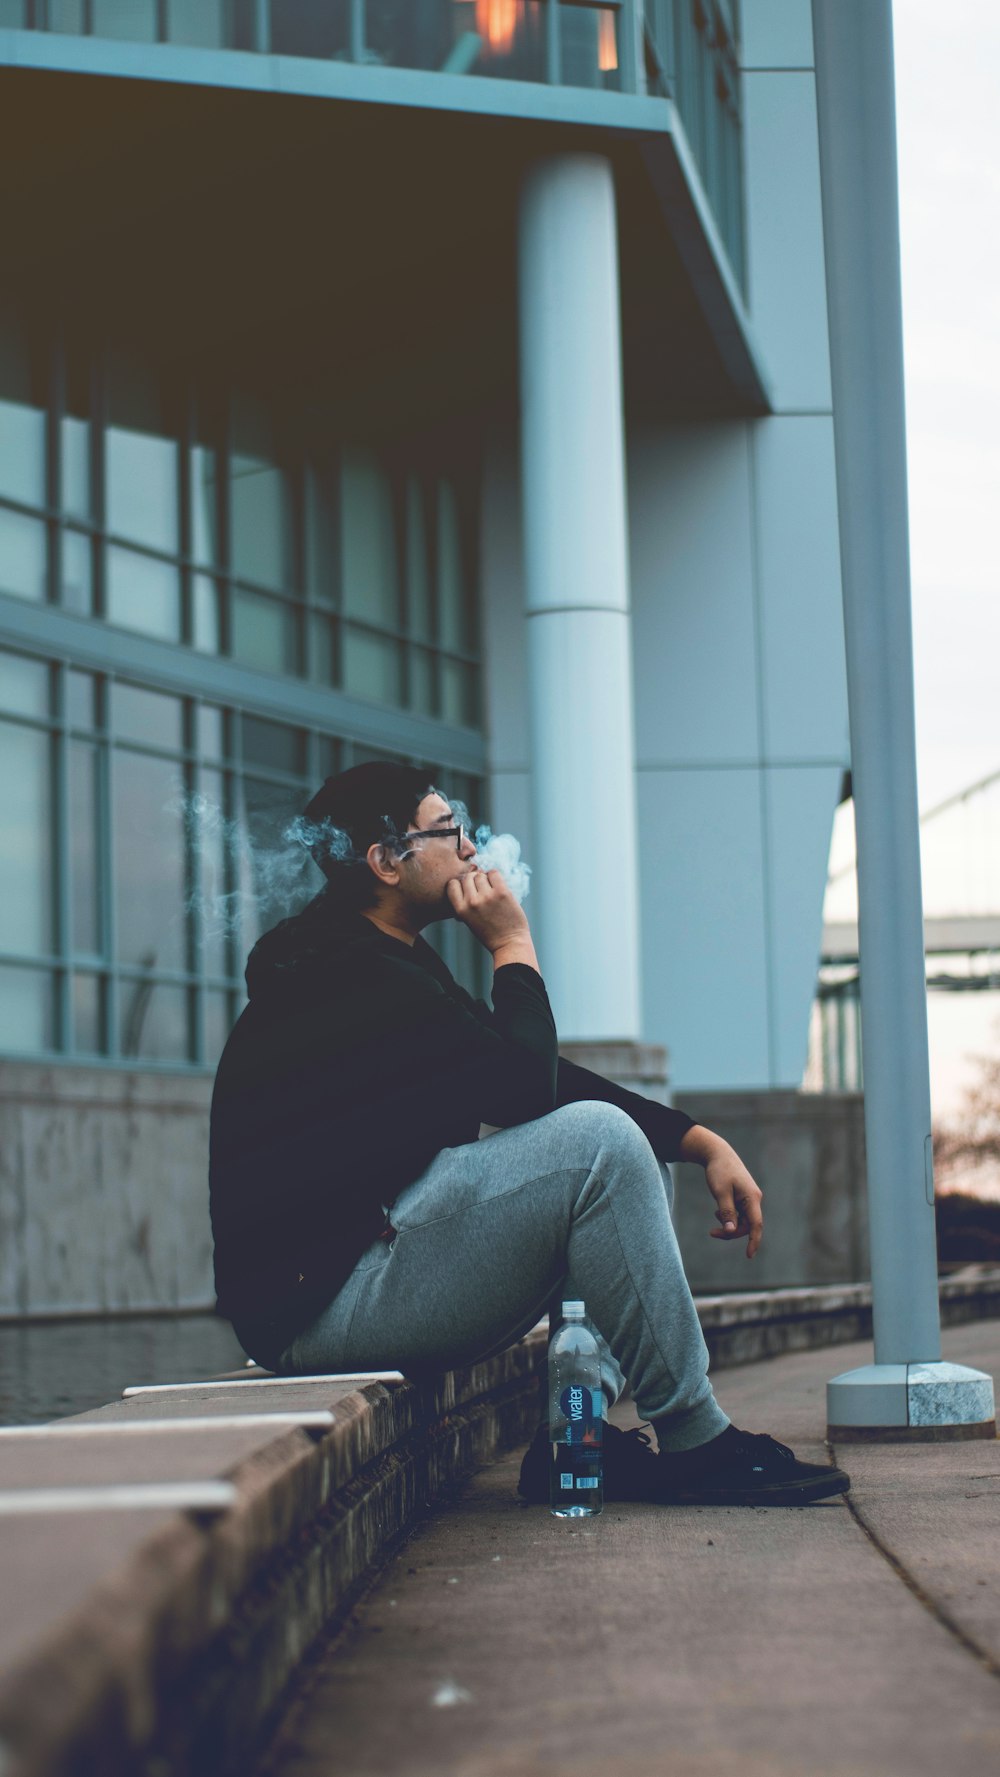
column 264, row 632
column 141, row 457
column 27, row 1024
column 154, row 1021
column 149, row 862
column 206, row 624
column 24, row 687
column 331, row 756
column 418, row 576
column 66, row 15
column 588, row 46
column 259, row 498
column 370, row 564
column 22, row 418
column 198, row 22
column 143, row 594
column 81, row 700
column 210, row 731
column 301, row 28
column 459, row 693
column 12, row 14
column 323, row 661
column 89, row 1024
column 151, row 717
column 205, row 504
column 504, row 39
column 74, row 436
column 281, row 876
column 84, row 801
column 215, row 867
column 125, row 18
column 453, row 624
column 273, row 744
column 322, row 491
column 77, row 572
column 422, row 696
column 23, row 556
column 371, row 665
column 26, row 860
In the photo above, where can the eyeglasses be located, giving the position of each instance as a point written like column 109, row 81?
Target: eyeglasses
column 439, row 833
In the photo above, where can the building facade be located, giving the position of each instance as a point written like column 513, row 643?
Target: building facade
column 441, row 380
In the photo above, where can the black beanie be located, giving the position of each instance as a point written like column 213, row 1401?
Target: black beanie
column 371, row 803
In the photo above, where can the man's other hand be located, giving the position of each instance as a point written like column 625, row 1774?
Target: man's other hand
column 483, row 900
column 738, row 1199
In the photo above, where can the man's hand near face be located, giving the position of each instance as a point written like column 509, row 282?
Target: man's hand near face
column 483, row 901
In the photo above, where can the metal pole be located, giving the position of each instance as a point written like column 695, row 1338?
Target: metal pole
column 857, row 139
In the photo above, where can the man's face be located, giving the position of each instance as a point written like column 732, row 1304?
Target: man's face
column 432, row 862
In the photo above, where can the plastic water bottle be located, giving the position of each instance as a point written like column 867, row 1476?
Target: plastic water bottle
column 576, row 1419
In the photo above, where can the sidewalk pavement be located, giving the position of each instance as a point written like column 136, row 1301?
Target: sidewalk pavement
column 859, row 1637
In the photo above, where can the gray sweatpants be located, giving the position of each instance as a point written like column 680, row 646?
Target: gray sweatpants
column 573, row 1204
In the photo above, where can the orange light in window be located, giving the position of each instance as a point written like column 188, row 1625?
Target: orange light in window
column 496, row 22
column 607, row 43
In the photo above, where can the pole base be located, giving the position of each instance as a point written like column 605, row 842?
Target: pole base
column 910, row 1403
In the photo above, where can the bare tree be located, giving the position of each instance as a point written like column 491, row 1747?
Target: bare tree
column 967, row 1151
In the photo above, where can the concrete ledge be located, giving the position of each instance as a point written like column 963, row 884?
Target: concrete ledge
column 154, row 1641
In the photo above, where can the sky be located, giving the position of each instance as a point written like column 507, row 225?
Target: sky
column 947, row 60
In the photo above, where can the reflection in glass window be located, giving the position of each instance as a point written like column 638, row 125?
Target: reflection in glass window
column 23, row 556
column 264, row 632
column 422, row 696
column 210, row 731
column 143, row 594
column 125, row 18
column 22, row 419
column 151, row 717
column 323, row 658
column 154, row 1021
column 26, row 860
column 149, row 861
column 588, row 46
column 140, row 458
column 371, row 572
column 77, row 573
column 458, row 693
column 24, row 687
column 259, row 498
column 84, row 793
column 27, row 1025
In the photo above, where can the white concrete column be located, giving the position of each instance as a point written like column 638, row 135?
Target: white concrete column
column 585, row 879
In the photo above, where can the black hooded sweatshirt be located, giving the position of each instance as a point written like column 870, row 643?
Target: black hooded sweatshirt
column 357, row 1059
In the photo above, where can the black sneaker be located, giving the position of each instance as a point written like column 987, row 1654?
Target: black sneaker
column 629, row 1464
column 752, row 1470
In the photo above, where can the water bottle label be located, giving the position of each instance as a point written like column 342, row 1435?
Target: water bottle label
column 583, row 1409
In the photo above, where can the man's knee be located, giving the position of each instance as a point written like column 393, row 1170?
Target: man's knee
column 603, row 1123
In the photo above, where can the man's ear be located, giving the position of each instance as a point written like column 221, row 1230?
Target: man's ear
column 381, row 861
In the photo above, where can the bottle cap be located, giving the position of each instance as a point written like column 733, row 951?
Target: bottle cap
column 572, row 1308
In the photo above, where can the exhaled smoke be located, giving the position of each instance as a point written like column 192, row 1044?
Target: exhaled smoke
column 247, row 881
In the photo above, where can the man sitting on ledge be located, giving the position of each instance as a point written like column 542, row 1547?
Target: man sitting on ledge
column 361, row 1224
